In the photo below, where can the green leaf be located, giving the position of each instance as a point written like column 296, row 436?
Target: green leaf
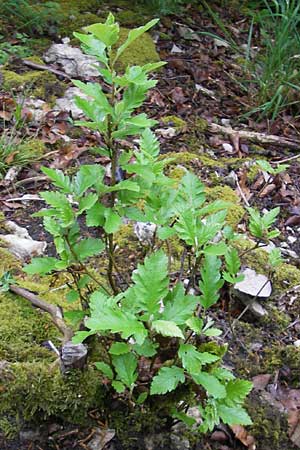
column 232, row 260
column 233, row 416
column 274, row 257
column 75, row 316
column 80, row 336
column 72, row 296
column 141, row 398
column 212, row 332
column 118, row 386
column 192, row 360
column 133, row 35
column 191, row 192
column 87, row 176
column 167, row 328
column 94, row 90
column 149, row 145
column 119, row 348
column 164, row 233
column 125, row 367
column 216, row 249
column 151, row 282
column 210, row 383
column 223, row 374
column 106, row 318
column 189, row 421
column 112, row 221
column 237, row 390
column 41, row 266
column 87, row 202
column 211, row 281
column 88, row 247
column 195, row 324
column 105, row 32
column 166, row 380
column 95, row 216
column 178, row 306
column 59, row 179
column 147, row 348
column 105, row 369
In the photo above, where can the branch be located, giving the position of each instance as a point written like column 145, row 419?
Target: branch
column 260, row 138
column 53, row 310
column 34, row 65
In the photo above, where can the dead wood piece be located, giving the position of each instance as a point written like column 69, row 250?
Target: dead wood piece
column 34, row 65
column 54, row 311
column 260, row 138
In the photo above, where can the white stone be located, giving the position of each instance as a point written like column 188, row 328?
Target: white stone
column 72, row 60
column 19, row 243
column 255, row 285
column 67, row 102
column 145, row 232
column 297, row 343
column 227, row 147
column 291, row 239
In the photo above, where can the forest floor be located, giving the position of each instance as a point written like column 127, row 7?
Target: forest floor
column 198, row 86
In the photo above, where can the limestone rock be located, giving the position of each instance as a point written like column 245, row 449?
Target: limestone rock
column 72, row 61
column 19, row 243
column 254, row 285
column 67, row 102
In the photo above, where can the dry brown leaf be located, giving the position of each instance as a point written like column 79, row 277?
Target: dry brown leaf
column 243, row 436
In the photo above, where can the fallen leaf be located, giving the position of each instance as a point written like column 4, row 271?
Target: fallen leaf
column 243, row 436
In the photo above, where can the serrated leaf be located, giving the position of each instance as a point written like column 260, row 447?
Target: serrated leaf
column 164, row 233
column 211, row 384
column 147, row 348
column 88, row 247
column 167, row 328
column 125, row 367
column 41, row 266
column 119, row 348
column 151, row 282
column 237, row 390
column 105, row 369
column 74, row 316
column 178, row 306
column 118, row 386
column 232, row 260
column 190, row 192
column 112, row 221
column 195, row 324
column 192, row 359
column 59, row 179
column 211, row 281
column 167, row 380
column 233, row 415
column 87, row 202
column 80, row 336
column 223, row 374
column 212, row 332
column 95, row 216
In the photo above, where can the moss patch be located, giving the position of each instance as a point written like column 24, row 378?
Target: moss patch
column 174, row 121
column 236, row 211
column 40, row 84
column 140, row 52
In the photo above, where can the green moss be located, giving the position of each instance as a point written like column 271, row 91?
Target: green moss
column 76, row 22
column 201, row 125
column 184, row 158
column 33, row 392
column 130, row 18
column 140, row 52
column 270, row 426
column 174, row 121
column 236, row 211
column 38, row 83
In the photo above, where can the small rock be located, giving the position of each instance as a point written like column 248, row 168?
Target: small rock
column 230, row 179
column 226, row 122
column 179, row 442
column 291, row 239
column 256, row 308
column 145, row 232
column 169, row 132
column 23, row 248
column 67, row 102
column 176, row 49
column 30, row 435
column 73, row 356
column 297, row 343
column 72, row 61
column 290, row 253
column 254, row 285
column 219, row 436
column 227, row 147
column 101, row 437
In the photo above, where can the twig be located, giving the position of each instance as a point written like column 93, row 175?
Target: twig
column 287, row 159
column 34, row 65
column 253, row 136
column 53, row 310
